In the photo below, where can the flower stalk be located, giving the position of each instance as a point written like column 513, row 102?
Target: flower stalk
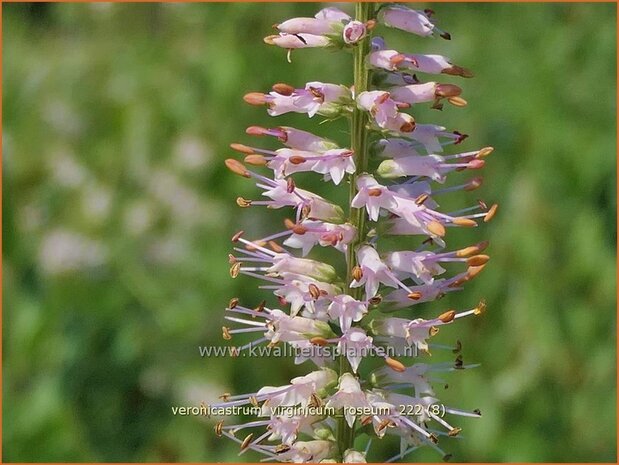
column 337, row 322
column 364, row 11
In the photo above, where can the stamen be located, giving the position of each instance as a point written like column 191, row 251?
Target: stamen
column 243, row 203
column 237, row 167
column 283, row 89
column 465, row 222
column 491, row 213
column 255, row 98
column 478, row 260
column 218, row 428
column 255, row 159
column 357, row 273
column 395, row 365
column 247, row 441
column 436, row 228
column 448, row 316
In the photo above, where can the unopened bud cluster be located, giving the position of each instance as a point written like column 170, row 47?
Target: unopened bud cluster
column 314, row 304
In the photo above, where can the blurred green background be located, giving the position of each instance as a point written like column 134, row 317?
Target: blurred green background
column 117, row 214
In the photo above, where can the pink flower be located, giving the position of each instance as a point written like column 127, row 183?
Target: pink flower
column 373, row 272
column 346, row 310
column 415, row 21
column 355, row 344
column 373, row 196
column 353, row 32
column 348, row 396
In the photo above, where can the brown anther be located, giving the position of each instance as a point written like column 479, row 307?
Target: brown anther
column 447, row 90
column 466, row 222
column 395, row 365
column 478, row 260
column 225, row 396
column 474, row 183
column 315, row 401
column 376, row 300
column 446, row 35
column 421, row 199
column 314, row 291
column 436, row 228
column 255, row 98
column 275, row 247
column 237, row 236
column 375, row 192
column 290, row 185
column 219, row 428
column 382, row 99
column 447, row 457
column 237, row 167
column 458, row 347
column 247, row 441
column 306, row 211
column 482, row 204
column 366, row 420
column 415, row 295
column 396, row 60
column 270, row 40
column 357, row 273
column 235, row 270
column 483, row 153
column 231, row 259
column 447, row 316
column 455, row 70
column 243, row 203
column 233, row 303
column 260, row 307
column 433, row 331
column 433, row 438
column 454, row 432
column 316, row 93
column 255, row 131
column 459, row 363
column 297, row 159
column 481, row 307
column 319, row 341
column 467, row 251
column 403, row 105
column 283, row 89
column 225, row 333
column 281, row 448
column 483, row 245
column 457, row 101
column 242, row 148
column 473, row 271
column 254, row 401
column 409, row 126
column 383, row 425
column 289, row 223
column 370, row 24
column 476, row 164
column 491, row 213
column 255, row 160
column 477, row 412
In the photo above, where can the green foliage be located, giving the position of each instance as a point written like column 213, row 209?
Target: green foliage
column 117, row 214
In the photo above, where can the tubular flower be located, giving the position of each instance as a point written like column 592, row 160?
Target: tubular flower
column 369, row 299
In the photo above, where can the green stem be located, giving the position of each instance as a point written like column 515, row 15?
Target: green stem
column 363, row 12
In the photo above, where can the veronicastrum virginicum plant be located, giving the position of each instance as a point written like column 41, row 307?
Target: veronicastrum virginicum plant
column 334, row 409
